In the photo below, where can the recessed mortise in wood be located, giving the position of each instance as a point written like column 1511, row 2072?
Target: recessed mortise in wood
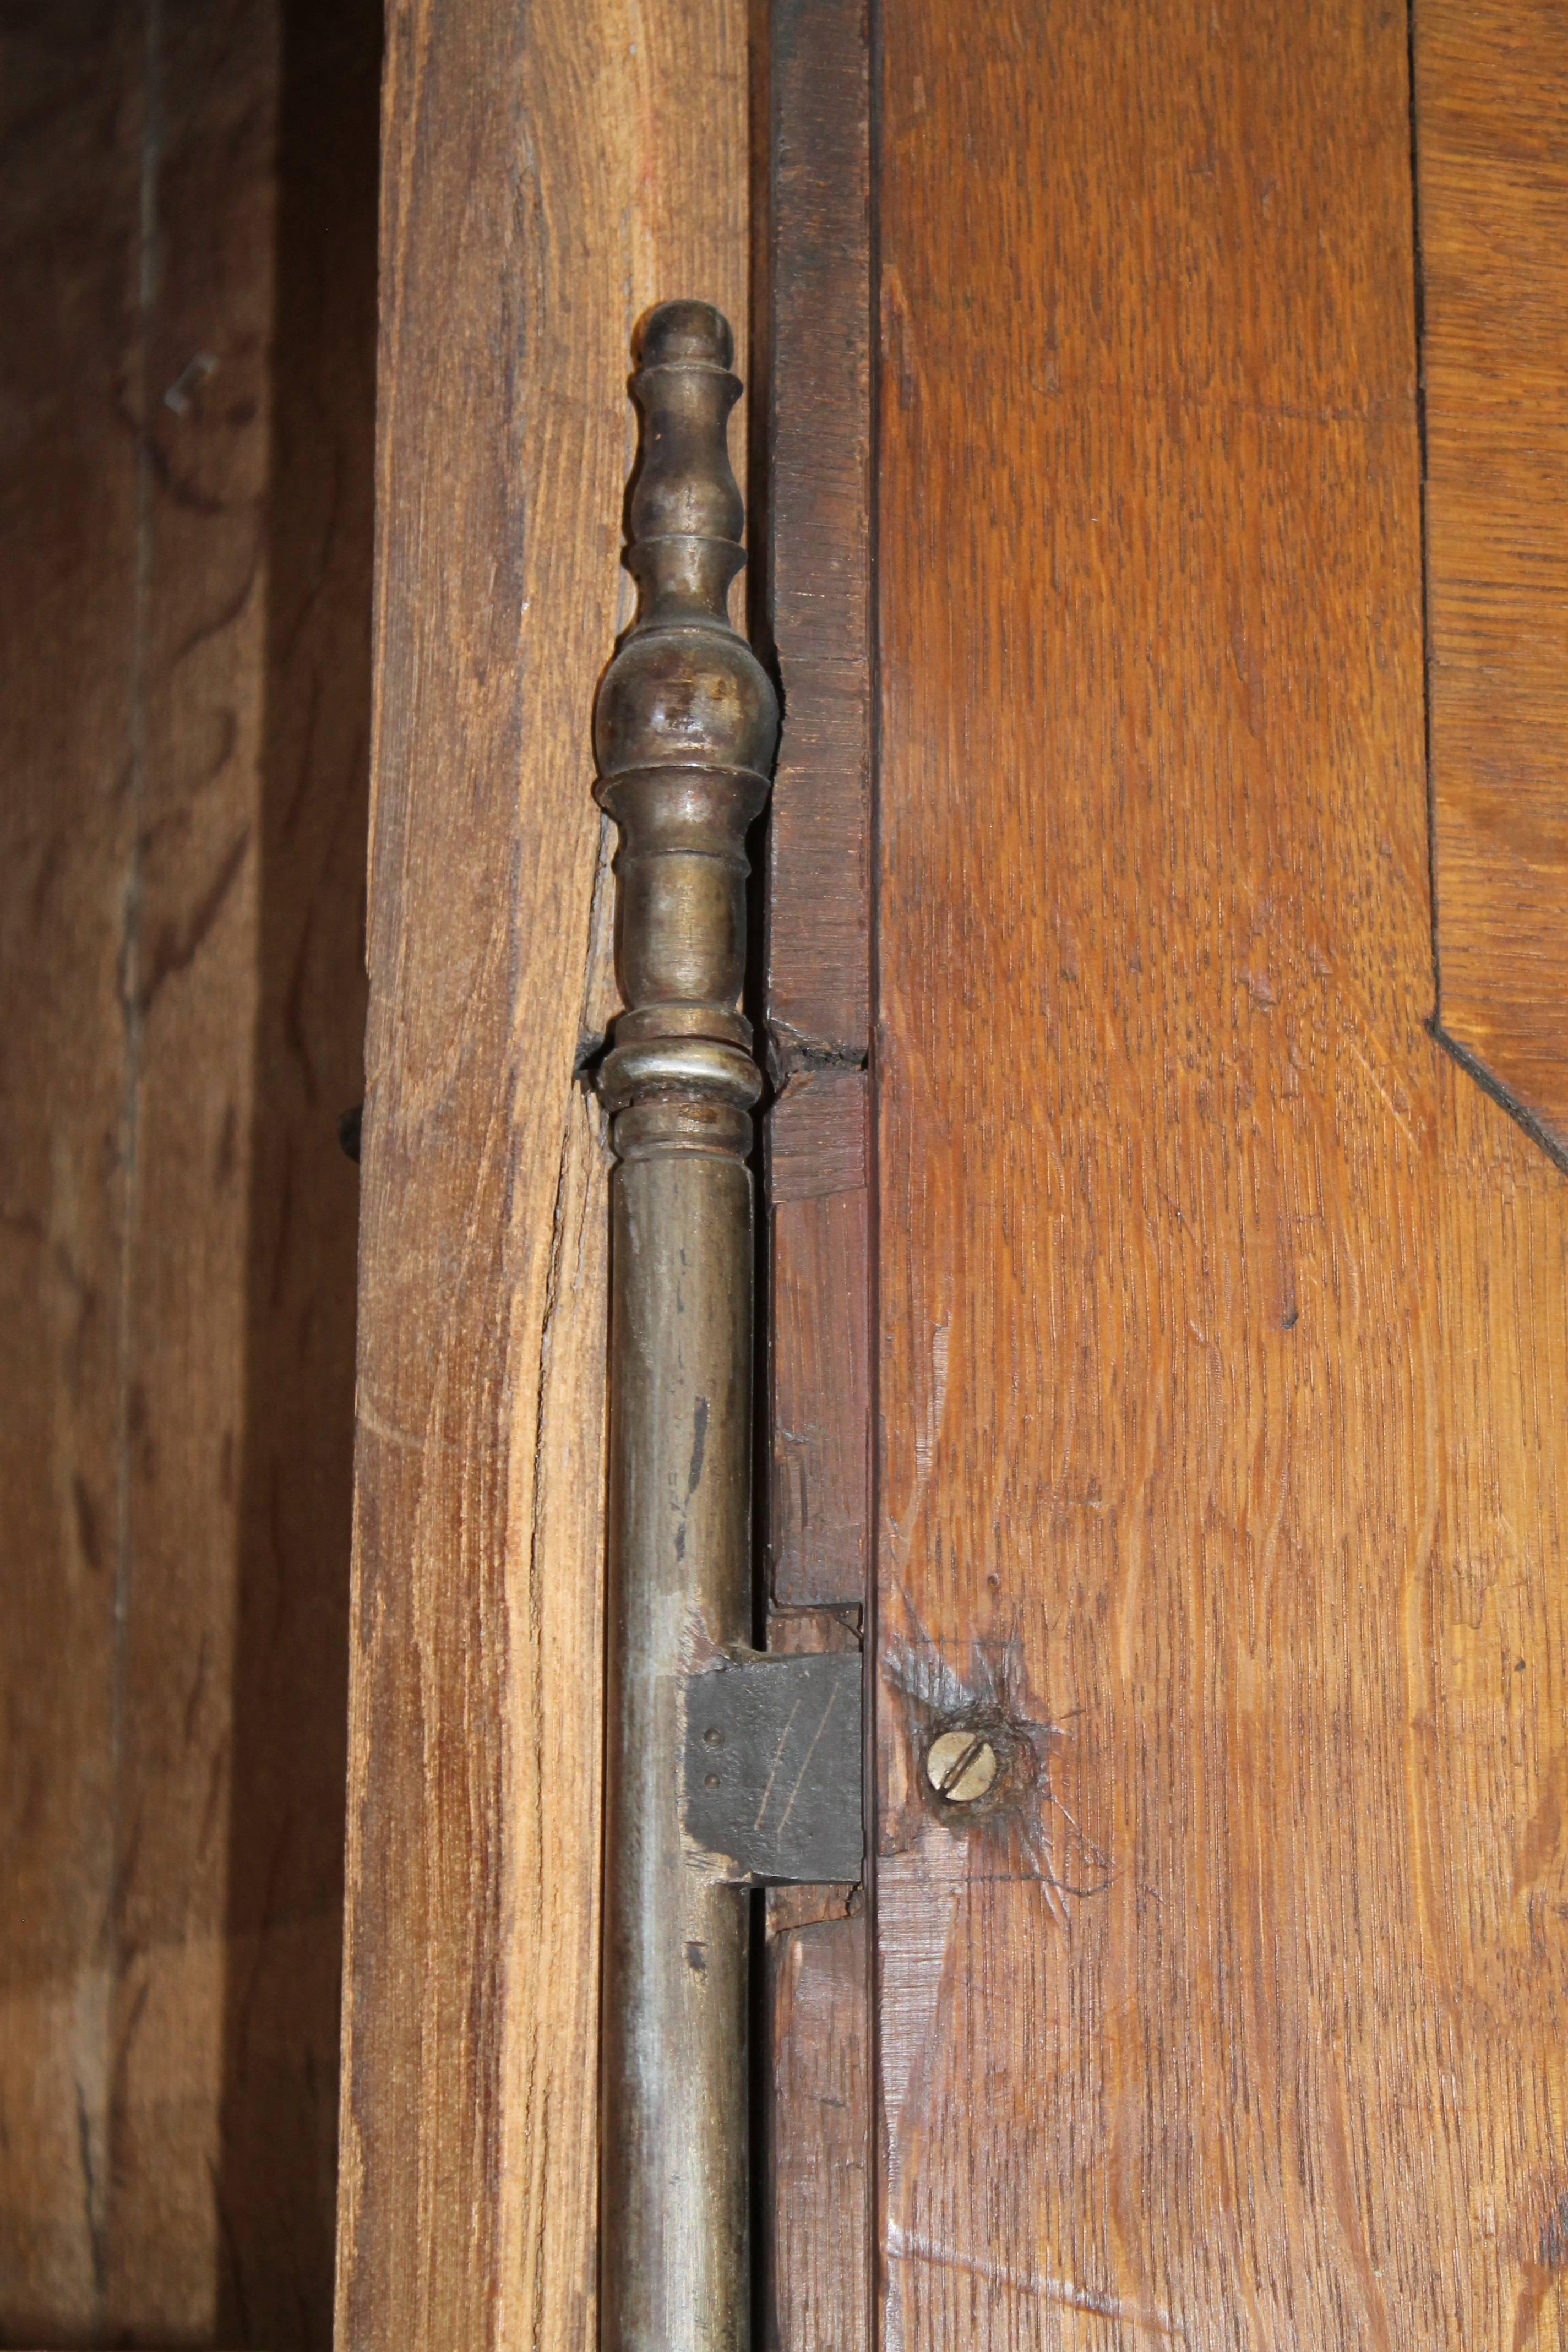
column 685, row 726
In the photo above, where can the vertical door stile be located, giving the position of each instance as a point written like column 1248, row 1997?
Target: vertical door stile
column 814, row 556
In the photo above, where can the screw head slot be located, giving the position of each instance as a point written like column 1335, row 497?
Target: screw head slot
column 962, row 1766
column 974, row 1765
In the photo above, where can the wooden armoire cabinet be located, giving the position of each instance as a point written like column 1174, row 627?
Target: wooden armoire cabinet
column 1153, row 452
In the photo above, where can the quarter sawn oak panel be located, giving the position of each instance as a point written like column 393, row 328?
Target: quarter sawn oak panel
column 1222, row 1366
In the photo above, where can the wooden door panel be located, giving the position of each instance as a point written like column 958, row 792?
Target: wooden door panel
column 187, row 201
column 1491, row 118
column 67, row 850
column 1221, row 1365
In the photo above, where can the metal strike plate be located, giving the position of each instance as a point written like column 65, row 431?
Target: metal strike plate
column 773, row 1770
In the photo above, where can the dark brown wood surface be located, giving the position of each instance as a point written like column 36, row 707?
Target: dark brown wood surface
column 184, row 561
column 548, row 172
column 1491, row 115
column 816, row 263
column 813, row 244
column 819, row 1347
column 1222, row 1363
column 817, row 2285
column 190, row 979
column 68, row 527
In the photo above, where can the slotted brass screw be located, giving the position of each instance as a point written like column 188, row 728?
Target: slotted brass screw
column 960, row 1766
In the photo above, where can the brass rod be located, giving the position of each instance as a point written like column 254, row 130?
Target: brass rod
column 685, row 728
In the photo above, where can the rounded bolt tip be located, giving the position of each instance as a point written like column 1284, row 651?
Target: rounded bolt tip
column 694, row 332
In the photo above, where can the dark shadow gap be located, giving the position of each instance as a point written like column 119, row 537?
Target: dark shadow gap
column 276, row 2178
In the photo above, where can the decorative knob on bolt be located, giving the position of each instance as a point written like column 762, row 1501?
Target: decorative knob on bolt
column 685, row 728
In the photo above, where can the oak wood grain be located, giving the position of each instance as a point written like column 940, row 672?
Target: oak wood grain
column 1491, row 114
column 69, row 174
column 1221, row 1369
column 813, row 243
column 191, row 988
column 547, row 174
column 818, row 1340
column 185, row 571
column 817, row 937
column 819, row 2144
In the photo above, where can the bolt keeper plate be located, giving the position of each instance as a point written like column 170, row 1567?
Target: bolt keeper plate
column 773, row 1770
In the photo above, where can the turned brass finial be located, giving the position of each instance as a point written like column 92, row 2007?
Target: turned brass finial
column 685, row 726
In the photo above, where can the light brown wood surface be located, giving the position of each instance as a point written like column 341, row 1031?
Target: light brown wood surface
column 1223, row 1367
column 1491, row 118
column 184, row 628
column 547, row 174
